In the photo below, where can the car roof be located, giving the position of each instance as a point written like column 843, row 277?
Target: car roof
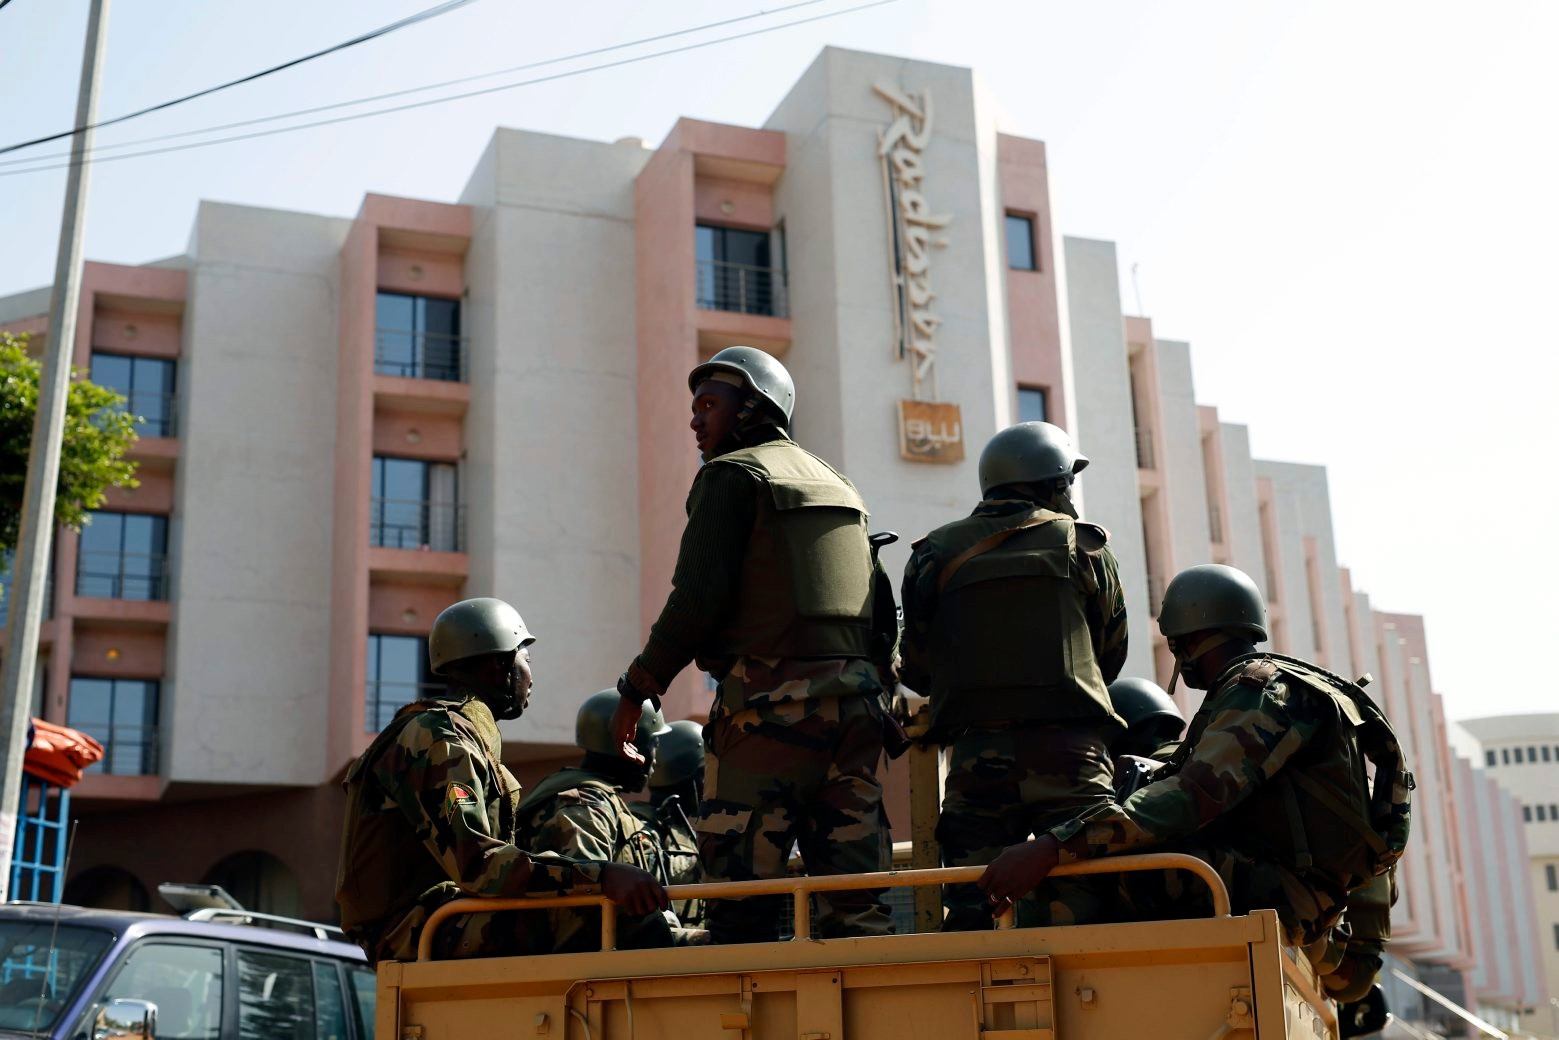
column 129, row 925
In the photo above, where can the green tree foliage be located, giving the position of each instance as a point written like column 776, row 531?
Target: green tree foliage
column 97, row 436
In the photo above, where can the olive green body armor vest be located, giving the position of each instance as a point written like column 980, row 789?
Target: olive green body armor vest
column 806, row 581
column 1009, row 641
column 385, row 869
column 536, row 809
column 1321, row 815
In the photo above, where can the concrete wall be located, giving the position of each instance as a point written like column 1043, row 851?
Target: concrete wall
column 1312, row 594
column 831, row 200
column 1243, row 523
column 251, row 529
column 1185, row 483
column 1104, row 429
column 554, row 517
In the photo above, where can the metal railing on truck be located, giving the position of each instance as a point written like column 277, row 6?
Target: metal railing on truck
column 800, row 889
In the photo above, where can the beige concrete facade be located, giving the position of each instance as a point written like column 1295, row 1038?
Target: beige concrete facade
column 555, row 458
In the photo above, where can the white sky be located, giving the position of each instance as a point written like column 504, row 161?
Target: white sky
column 1350, row 210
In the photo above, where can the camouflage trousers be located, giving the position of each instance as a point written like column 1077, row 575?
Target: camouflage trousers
column 1307, row 907
column 1005, row 785
column 798, row 773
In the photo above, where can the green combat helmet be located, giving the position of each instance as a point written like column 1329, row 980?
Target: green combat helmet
column 1152, row 720
column 474, row 627
column 1213, row 597
column 593, row 726
column 1028, row 453
column 760, row 373
column 679, row 755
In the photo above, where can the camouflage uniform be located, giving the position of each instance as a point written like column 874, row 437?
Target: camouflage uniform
column 1223, row 798
column 431, row 817
column 1022, row 759
column 579, row 814
column 773, row 598
column 677, row 851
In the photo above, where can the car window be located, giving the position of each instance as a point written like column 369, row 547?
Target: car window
column 275, row 997
column 329, row 1008
column 185, row 982
column 42, row 966
column 364, row 990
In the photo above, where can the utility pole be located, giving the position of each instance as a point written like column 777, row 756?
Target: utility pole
column 30, row 574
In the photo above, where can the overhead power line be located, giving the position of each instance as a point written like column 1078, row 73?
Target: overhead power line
column 420, row 16
column 157, row 139
column 467, row 94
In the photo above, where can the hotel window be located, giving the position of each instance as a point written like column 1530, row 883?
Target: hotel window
column 398, row 674
column 1504, row 754
column 1532, row 755
column 1517, row 752
column 1489, row 757
column 1020, row 243
column 736, row 271
column 123, row 556
column 415, row 505
column 1542, row 814
column 418, row 337
column 1556, row 936
column 1526, row 813
column 1552, row 876
column 121, row 714
column 1032, row 404
column 1545, row 752
column 147, row 385
column 1553, row 812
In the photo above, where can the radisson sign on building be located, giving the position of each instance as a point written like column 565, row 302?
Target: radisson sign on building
column 929, row 430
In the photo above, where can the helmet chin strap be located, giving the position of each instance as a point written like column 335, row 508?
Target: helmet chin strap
column 1213, row 641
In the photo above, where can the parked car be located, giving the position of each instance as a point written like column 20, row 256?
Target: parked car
column 73, row 973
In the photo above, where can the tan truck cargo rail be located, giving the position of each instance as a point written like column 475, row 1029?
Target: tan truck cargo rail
column 801, row 888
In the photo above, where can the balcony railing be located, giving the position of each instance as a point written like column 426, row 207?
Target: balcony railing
column 387, row 696
column 1214, row 522
column 106, row 574
column 1145, row 458
column 128, row 750
column 395, row 523
column 420, row 355
column 742, row 288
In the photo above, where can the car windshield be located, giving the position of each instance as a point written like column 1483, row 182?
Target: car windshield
column 42, row 967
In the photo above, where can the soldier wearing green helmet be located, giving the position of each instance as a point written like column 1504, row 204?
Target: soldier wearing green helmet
column 579, row 813
column 432, row 810
column 676, row 793
column 773, row 596
column 1153, row 728
column 1014, row 621
column 1272, row 785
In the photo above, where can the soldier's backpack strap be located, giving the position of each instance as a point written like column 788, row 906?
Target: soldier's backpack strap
column 989, row 542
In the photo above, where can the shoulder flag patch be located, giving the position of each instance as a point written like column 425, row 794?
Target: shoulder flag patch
column 456, row 796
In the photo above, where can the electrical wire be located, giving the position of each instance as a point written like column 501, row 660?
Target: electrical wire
column 27, row 160
column 460, row 97
column 420, row 16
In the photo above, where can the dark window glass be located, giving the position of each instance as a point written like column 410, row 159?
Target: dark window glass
column 736, row 271
column 1031, row 404
column 1517, row 753
column 185, row 982
column 1542, row 814
column 275, row 997
column 147, row 384
column 329, row 1007
column 364, row 998
column 418, row 337
column 123, row 556
column 415, row 505
column 398, row 673
column 1545, row 752
column 121, row 714
column 1553, row 811
column 1020, row 243
column 43, row 967
column 1489, row 757
column 1526, row 813
column 1552, row 876
column 1532, row 755
column 1556, row 936
column 1504, row 754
